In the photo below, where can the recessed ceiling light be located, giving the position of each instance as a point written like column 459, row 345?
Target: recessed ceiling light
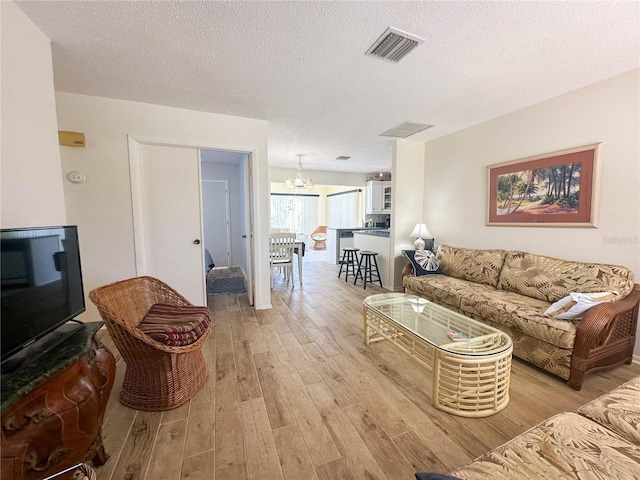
column 405, row 130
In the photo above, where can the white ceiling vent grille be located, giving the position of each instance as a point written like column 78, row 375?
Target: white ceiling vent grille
column 405, row 130
column 394, row 45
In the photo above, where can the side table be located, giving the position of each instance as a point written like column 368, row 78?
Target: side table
column 52, row 409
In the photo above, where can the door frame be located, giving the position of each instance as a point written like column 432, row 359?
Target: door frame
column 247, row 165
column 133, row 144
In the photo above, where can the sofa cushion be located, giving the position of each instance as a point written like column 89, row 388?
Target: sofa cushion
column 618, row 410
column 484, row 303
column 551, row 279
column 521, row 313
column 565, row 446
column 480, row 266
column 547, row 356
column 443, row 290
column 446, row 291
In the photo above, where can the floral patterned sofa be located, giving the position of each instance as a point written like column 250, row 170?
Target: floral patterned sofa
column 601, row 441
column 512, row 290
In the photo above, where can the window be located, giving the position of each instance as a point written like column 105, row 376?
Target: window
column 344, row 209
column 297, row 213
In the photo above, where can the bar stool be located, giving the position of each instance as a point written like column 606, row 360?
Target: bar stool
column 350, row 260
column 366, row 256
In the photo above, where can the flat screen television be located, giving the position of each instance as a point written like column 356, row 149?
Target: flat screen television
column 41, row 287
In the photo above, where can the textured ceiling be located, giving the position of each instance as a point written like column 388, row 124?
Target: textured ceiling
column 301, row 65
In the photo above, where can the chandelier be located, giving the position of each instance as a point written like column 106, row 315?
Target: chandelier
column 299, row 181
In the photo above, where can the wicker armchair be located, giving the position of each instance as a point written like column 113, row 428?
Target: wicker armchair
column 319, row 237
column 157, row 377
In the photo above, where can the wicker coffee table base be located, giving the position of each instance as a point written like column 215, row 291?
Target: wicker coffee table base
column 464, row 385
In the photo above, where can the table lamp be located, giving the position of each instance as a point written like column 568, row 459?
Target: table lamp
column 421, row 232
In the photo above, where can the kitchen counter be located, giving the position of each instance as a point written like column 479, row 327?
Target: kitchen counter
column 380, row 232
column 339, row 238
column 376, row 241
column 359, row 229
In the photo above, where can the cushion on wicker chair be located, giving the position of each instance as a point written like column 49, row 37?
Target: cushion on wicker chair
column 175, row 325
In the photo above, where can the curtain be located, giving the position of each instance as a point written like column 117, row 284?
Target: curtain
column 344, row 209
column 297, row 213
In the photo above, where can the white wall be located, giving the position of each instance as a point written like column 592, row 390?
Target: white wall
column 406, row 202
column 455, row 179
column 319, row 177
column 31, row 184
column 102, row 205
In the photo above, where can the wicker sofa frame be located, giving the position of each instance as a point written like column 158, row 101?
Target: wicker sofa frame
column 157, row 376
column 605, row 336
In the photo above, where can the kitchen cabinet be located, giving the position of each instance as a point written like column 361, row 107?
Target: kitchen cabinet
column 378, row 197
column 386, row 198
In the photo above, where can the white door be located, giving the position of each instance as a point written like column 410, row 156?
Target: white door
column 217, row 233
column 168, row 217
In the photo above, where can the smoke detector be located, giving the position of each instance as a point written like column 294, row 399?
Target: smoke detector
column 405, row 130
column 394, row 45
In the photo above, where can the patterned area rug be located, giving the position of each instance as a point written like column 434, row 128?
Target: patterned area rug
column 225, row 285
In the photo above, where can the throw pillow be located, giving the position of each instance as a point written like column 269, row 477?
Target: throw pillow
column 175, row 325
column 424, row 262
column 434, row 476
column 573, row 306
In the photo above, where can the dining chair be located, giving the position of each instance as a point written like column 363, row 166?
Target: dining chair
column 273, row 230
column 281, row 251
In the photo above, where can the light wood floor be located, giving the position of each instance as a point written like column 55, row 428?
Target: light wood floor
column 294, row 393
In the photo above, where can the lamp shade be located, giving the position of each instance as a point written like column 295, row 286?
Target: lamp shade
column 420, row 231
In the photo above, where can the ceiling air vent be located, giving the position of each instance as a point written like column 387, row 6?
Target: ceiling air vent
column 343, row 157
column 405, row 130
column 394, row 45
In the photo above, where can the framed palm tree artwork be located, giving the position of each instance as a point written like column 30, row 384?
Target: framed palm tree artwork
column 558, row 189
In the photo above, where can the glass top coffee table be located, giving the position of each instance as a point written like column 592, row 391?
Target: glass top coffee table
column 470, row 361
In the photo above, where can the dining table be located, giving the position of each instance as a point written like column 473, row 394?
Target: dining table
column 299, row 250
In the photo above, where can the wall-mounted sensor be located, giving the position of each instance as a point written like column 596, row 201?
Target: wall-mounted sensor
column 71, row 139
column 76, row 177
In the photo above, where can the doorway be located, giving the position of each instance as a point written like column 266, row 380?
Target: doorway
column 168, row 232
column 227, row 221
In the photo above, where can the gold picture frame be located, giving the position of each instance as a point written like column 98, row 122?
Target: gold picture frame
column 558, row 189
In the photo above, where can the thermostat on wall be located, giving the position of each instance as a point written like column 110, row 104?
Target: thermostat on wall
column 76, row 177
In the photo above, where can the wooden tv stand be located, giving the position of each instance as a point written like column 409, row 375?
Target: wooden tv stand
column 52, row 408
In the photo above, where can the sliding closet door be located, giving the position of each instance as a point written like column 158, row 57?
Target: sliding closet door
column 168, row 215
